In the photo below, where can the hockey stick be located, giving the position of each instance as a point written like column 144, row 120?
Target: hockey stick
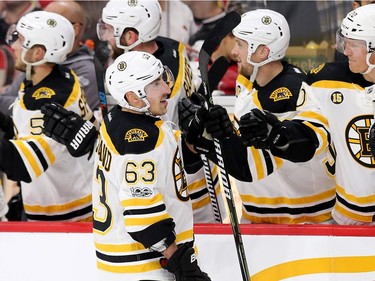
column 216, row 72
column 222, row 28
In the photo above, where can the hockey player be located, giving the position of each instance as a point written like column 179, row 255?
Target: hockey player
column 124, row 34
column 293, row 193
column 337, row 107
column 143, row 224
column 40, row 41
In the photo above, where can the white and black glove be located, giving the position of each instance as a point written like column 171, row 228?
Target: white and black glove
column 69, row 129
column 263, row 130
column 372, row 139
column 183, row 264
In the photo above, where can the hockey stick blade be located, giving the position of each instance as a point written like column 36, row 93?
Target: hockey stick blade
column 221, row 29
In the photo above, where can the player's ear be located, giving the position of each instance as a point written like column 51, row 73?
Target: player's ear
column 132, row 99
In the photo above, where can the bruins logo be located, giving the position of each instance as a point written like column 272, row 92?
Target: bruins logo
column 357, row 138
column 43, row 93
column 180, row 178
column 281, row 94
column 135, row 135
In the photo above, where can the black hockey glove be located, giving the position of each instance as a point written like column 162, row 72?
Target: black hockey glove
column 6, row 125
column 218, row 123
column 263, row 130
column 187, row 108
column 183, row 264
column 69, row 129
column 372, row 139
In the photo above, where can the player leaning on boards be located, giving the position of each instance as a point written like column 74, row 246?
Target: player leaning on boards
column 40, row 41
column 337, row 107
column 142, row 210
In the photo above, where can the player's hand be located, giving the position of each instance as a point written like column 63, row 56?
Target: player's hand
column 183, row 264
column 69, row 129
column 187, row 108
column 218, row 123
column 372, row 139
column 263, row 130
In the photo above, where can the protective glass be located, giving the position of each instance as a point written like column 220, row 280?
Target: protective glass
column 12, row 35
column 104, row 31
column 343, row 43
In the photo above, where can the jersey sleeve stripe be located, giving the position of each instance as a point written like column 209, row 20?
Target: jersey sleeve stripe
column 59, row 208
column 39, row 155
column 30, row 157
column 145, row 221
column 46, row 148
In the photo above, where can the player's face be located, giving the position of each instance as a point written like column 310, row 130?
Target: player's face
column 105, row 33
column 17, row 47
column 157, row 95
column 240, row 53
column 356, row 52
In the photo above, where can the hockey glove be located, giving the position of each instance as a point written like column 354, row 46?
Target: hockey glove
column 183, row 264
column 6, row 125
column 69, row 129
column 218, row 123
column 187, row 108
column 263, row 130
column 372, row 139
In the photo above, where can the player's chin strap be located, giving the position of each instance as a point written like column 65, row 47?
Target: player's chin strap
column 256, row 66
column 127, row 48
column 370, row 65
column 30, row 65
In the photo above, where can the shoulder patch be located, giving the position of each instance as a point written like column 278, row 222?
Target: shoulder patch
column 43, row 93
column 135, row 134
column 281, row 93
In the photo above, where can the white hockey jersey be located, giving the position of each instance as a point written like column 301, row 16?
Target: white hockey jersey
column 60, row 187
column 139, row 196
column 338, row 107
column 295, row 192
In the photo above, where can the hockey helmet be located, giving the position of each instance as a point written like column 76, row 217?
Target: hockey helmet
column 133, row 71
column 51, row 30
column 142, row 15
column 358, row 24
column 264, row 27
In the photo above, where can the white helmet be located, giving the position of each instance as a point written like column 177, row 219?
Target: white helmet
column 359, row 24
column 132, row 72
column 142, row 15
column 51, row 30
column 264, row 27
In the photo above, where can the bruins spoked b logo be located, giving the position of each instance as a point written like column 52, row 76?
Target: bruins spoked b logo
column 357, row 140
